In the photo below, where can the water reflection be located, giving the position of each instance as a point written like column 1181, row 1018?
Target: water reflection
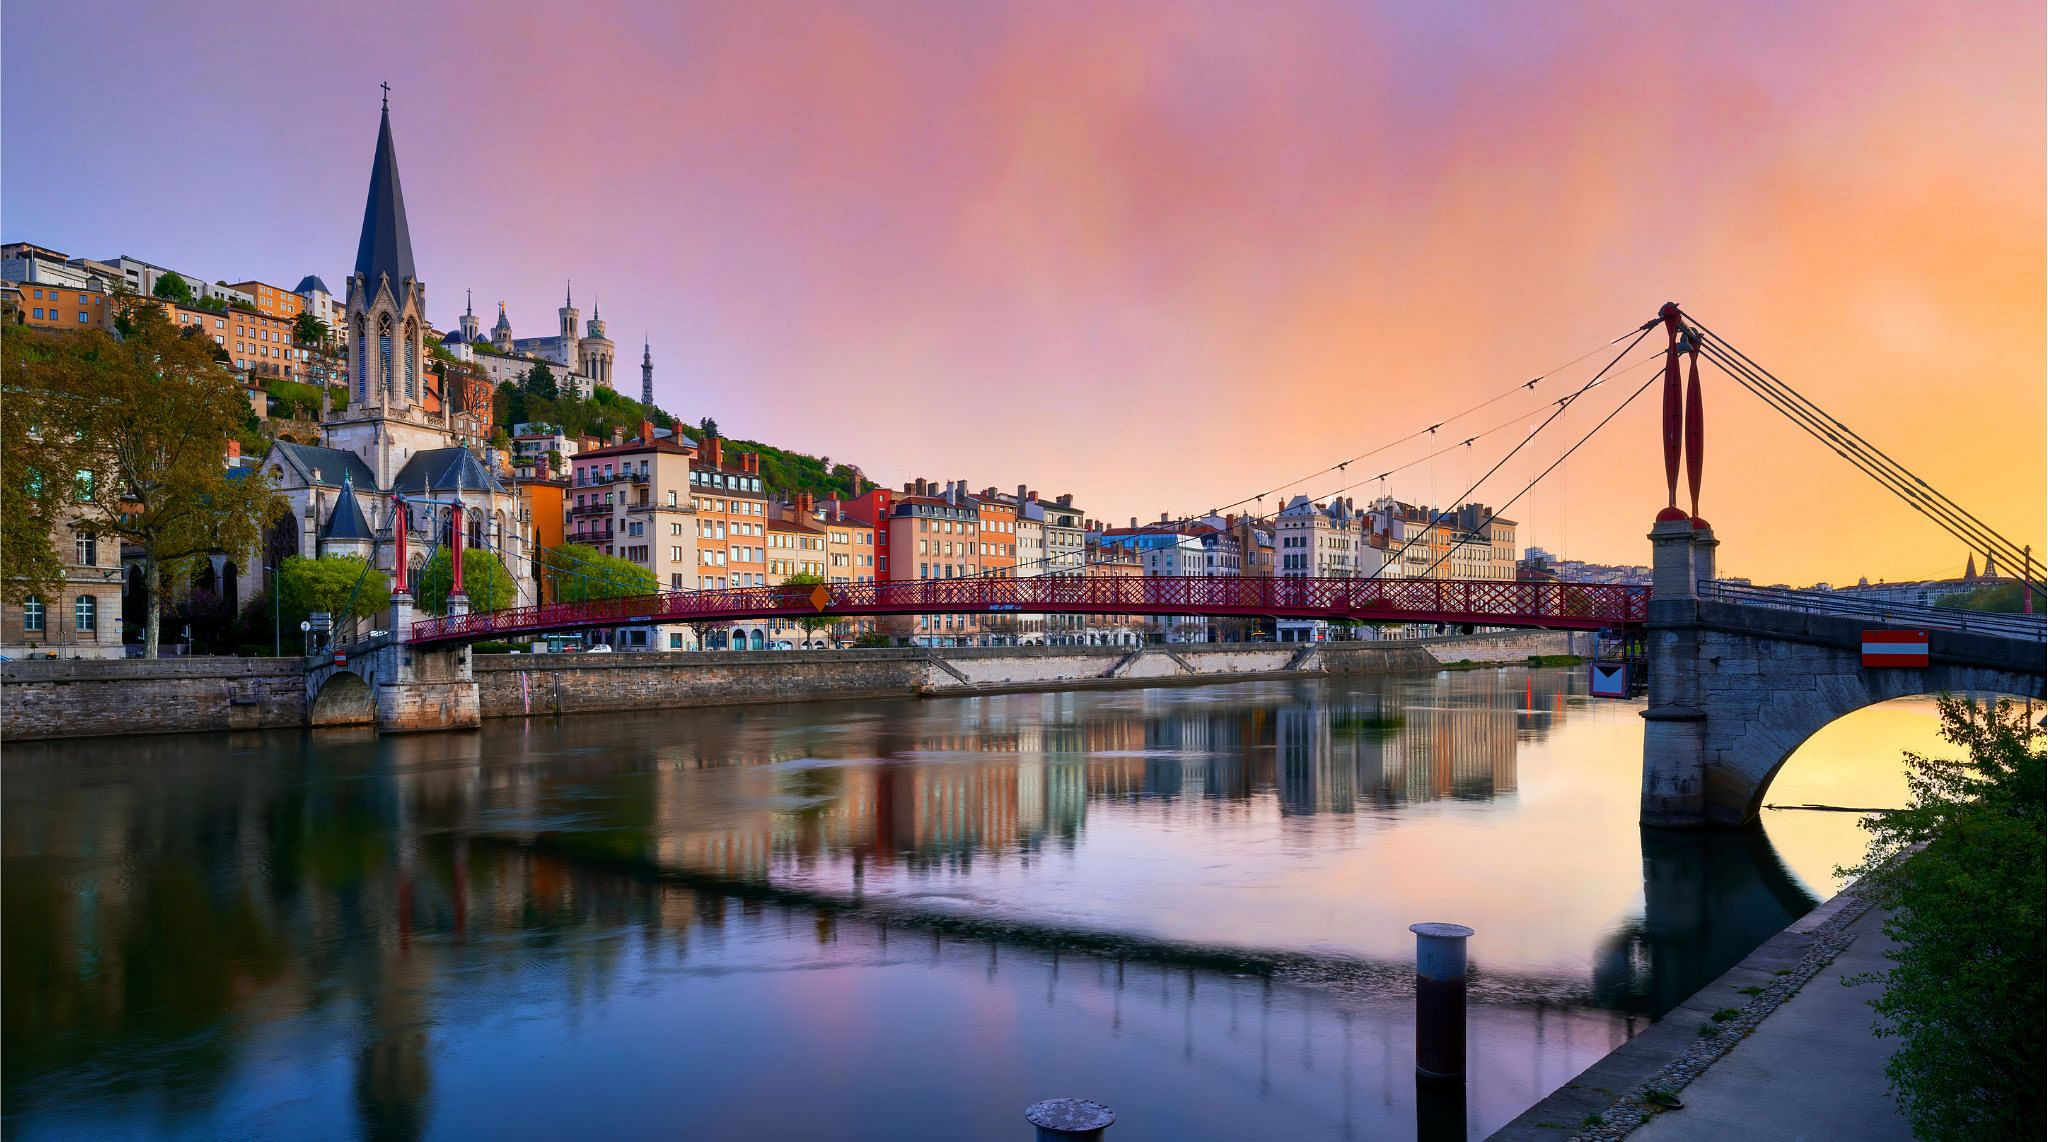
column 344, row 934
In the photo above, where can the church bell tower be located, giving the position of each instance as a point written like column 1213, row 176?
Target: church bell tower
column 386, row 419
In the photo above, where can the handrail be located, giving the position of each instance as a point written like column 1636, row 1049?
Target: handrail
column 2002, row 625
column 1483, row 602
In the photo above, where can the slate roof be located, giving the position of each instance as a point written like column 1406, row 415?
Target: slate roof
column 444, row 470
column 348, row 521
column 311, row 282
column 330, row 466
column 386, row 245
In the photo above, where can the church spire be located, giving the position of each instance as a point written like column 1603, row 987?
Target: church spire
column 646, row 371
column 385, row 248
column 468, row 303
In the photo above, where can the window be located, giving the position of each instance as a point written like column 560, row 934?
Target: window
column 86, row 613
column 83, row 316
column 39, row 313
column 88, row 550
column 82, row 487
column 32, row 614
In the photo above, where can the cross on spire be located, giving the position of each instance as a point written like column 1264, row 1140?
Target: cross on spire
column 387, row 95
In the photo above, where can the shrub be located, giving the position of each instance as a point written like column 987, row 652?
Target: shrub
column 1965, row 993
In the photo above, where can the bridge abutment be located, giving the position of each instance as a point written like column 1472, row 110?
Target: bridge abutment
column 1735, row 687
column 387, row 682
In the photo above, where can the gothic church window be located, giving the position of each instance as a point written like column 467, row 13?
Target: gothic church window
column 384, row 352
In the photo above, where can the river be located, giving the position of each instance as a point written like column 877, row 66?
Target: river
column 876, row 920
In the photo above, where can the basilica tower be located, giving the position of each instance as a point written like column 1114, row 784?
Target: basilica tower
column 569, row 313
column 596, row 351
column 386, row 420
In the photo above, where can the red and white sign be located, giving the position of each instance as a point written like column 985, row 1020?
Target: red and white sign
column 1895, row 648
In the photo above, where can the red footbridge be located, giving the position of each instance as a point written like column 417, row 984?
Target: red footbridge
column 1479, row 602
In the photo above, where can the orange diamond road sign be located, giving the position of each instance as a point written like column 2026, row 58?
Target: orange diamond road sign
column 820, row 597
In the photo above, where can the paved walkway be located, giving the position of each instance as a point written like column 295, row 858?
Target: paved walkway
column 1812, row 1070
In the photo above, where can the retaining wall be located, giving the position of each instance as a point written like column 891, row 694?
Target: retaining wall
column 133, row 696
column 87, row 698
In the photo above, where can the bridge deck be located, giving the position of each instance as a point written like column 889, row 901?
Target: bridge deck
column 1552, row 606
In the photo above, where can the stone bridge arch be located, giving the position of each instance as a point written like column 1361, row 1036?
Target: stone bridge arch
column 1745, row 754
column 340, row 697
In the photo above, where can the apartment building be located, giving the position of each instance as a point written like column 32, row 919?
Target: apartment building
column 633, row 500
column 65, row 307
column 271, row 300
column 82, row 617
column 732, row 533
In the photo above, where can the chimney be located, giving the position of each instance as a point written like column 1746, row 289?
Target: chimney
column 1066, row 499
column 618, row 435
column 1162, row 517
column 1023, row 496
column 646, row 432
column 1032, row 496
column 714, row 449
column 234, row 449
column 805, row 502
column 909, row 487
column 1134, row 523
column 919, row 489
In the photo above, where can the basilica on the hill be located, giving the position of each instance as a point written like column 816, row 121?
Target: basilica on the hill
column 399, row 432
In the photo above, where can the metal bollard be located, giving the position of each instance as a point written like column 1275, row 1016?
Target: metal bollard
column 1440, row 999
column 1069, row 1119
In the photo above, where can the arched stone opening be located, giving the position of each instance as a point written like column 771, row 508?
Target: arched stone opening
column 1744, row 750
column 345, row 699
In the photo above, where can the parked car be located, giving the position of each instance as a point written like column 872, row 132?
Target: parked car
column 600, row 648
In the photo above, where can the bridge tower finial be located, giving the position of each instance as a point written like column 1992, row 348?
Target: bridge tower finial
column 1674, row 411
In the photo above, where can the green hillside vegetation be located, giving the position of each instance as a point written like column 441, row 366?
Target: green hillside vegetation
column 2001, row 597
column 539, row 400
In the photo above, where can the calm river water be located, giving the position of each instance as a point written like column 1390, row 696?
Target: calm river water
column 881, row 920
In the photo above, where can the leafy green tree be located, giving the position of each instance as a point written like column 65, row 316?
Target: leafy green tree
column 484, row 579
column 540, row 382
column 2001, row 597
column 310, row 330
column 172, row 286
column 39, row 444
column 345, row 586
column 707, row 427
column 154, row 413
column 1965, row 994
column 800, row 585
column 579, row 573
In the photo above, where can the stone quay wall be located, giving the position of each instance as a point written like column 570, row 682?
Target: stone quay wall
column 88, row 698
column 102, row 698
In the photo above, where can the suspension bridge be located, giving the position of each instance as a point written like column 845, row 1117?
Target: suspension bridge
column 1736, row 677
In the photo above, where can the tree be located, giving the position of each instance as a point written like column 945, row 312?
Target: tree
column 172, row 286
column 2002, row 597
column 155, row 412
column 707, row 427
column 345, row 586
column 540, row 382
column 310, row 330
column 484, row 580
column 800, row 585
column 1965, row 994
column 578, row 573
column 39, row 442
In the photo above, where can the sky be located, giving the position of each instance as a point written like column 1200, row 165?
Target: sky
column 1161, row 256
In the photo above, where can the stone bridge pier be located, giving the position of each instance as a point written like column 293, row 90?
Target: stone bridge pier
column 1735, row 688
column 383, row 681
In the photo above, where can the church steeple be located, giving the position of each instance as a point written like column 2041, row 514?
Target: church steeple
column 385, row 248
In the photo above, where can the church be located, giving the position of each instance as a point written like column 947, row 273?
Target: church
column 399, row 433
column 580, row 363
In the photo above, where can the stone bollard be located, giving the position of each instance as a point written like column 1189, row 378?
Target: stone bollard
column 1069, row 1119
column 1440, row 999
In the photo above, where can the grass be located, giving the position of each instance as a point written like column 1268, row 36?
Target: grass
column 1593, row 1119
column 1555, row 660
column 1752, row 989
column 1726, row 1013
column 1708, row 1030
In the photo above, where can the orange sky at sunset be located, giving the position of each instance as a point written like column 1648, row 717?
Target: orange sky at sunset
column 1161, row 256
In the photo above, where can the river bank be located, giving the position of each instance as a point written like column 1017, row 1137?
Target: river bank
column 1751, row 1003
column 102, row 698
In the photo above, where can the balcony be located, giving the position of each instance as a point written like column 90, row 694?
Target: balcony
column 599, row 509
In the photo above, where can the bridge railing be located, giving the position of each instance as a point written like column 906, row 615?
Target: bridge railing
column 1580, row 605
column 2033, row 627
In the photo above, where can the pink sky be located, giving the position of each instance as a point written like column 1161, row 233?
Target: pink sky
column 1158, row 255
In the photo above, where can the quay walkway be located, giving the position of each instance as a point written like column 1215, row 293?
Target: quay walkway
column 1803, row 1067
column 1811, row 1070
